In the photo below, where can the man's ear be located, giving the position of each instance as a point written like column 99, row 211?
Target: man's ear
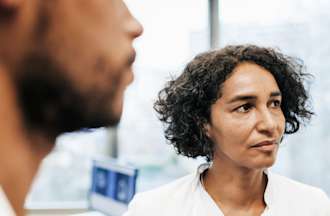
column 10, row 4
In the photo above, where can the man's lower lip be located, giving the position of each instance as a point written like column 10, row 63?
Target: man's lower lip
column 271, row 147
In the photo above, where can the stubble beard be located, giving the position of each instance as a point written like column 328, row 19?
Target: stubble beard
column 52, row 105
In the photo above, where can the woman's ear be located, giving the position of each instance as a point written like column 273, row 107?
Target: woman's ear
column 207, row 129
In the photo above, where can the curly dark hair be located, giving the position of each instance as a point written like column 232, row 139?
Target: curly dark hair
column 184, row 104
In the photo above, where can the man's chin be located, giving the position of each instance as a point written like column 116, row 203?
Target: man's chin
column 95, row 116
column 93, row 123
column 107, row 119
column 113, row 122
column 116, row 111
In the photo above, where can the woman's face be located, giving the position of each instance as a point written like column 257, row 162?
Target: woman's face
column 247, row 122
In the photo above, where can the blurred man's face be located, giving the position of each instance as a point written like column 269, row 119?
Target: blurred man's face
column 74, row 73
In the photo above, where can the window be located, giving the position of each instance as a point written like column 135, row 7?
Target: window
column 174, row 31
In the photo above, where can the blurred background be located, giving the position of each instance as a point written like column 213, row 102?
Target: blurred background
column 175, row 31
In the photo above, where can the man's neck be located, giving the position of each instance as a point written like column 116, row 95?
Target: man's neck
column 21, row 151
column 232, row 187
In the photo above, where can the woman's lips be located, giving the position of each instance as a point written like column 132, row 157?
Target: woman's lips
column 265, row 146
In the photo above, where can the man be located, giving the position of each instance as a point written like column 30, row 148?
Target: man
column 64, row 65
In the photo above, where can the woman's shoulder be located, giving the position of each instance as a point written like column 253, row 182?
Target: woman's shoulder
column 297, row 188
column 295, row 193
column 178, row 186
column 169, row 195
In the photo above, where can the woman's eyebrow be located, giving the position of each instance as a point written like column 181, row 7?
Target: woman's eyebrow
column 275, row 94
column 242, row 98
column 252, row 97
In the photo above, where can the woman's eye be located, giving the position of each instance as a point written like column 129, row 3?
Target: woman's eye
column 276, row 103
column 244, row 108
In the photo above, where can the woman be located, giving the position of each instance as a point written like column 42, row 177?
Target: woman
column 233, row 106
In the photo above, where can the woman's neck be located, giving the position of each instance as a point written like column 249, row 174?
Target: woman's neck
column 236, row 189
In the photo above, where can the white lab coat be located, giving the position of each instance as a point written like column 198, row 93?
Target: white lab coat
column 187, row 197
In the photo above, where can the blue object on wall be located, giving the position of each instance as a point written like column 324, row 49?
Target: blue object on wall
column 113, row 186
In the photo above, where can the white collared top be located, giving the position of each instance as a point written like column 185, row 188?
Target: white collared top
column 187, row 197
